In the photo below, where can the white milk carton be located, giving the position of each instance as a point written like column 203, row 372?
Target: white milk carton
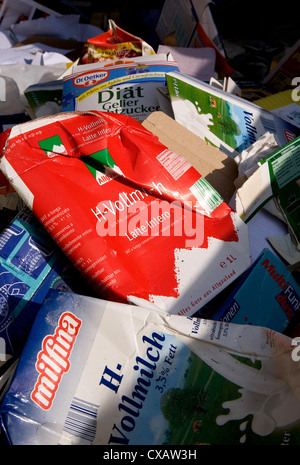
column 97, row 372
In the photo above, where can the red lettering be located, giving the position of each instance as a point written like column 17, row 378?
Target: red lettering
column 53, row 360
column 282, row 300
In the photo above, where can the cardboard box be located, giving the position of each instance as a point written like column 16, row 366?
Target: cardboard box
column 127, row 86
column 276, row 100
column 218, row 169
column 197, row 62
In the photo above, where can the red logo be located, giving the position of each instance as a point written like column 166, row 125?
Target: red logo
column 289, row 135
column 53, row 360
column 90, row 79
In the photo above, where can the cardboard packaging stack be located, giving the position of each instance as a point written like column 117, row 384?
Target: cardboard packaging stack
column 150, row 237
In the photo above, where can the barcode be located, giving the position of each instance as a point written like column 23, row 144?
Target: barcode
column 82, row 420
column 268, row 123
column 206, row 195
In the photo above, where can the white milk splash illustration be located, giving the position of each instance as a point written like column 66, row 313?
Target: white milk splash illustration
column 264, row 396
column 190, row 116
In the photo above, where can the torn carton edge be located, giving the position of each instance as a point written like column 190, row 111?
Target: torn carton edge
column 255, row 192
column 285, row 246
column 263, row 188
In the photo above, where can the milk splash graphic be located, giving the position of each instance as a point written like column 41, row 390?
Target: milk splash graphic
column 269, row 411
column 190, row 116
column 266, row 402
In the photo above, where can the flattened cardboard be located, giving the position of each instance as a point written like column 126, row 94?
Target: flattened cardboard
column 218, row 169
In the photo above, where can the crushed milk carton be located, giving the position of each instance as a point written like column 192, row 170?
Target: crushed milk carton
column 134, row 217
column 150, row 379
column 44, row 98
column 30, row 264
column 273, row 304
column 276, row 177
column 229, row 122
column 126, row 87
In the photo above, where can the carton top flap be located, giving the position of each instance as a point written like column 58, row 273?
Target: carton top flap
column 218, row 169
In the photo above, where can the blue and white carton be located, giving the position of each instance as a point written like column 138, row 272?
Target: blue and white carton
column 104, row 373
column 129, row 87
column 30, row 264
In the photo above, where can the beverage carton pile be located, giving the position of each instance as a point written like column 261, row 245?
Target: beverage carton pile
column 149, row 244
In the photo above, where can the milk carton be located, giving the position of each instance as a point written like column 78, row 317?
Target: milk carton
column 227, row 121
column 30, row 264
column 103, row 373
column 135, row 218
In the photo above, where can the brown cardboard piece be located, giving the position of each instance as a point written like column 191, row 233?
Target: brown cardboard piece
column 217, row 168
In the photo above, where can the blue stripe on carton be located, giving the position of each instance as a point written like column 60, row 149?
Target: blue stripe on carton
column 30, row 264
